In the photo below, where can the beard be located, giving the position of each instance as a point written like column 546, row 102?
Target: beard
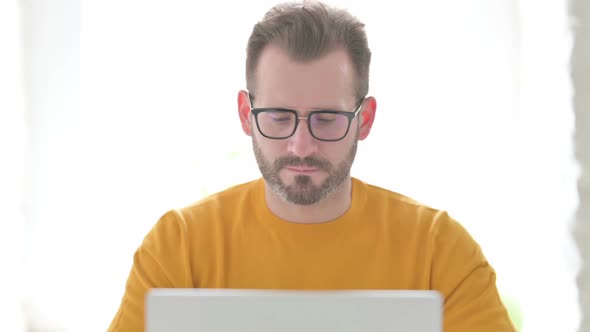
column 303, row 191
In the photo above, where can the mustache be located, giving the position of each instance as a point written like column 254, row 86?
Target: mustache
column 306, row 162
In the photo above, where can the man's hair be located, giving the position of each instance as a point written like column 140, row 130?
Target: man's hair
column 306, row 31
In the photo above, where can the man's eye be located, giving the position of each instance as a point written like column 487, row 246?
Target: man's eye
column 281, row 118
column 325, row 119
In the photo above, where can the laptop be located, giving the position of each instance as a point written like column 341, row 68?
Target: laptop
column 233, row 310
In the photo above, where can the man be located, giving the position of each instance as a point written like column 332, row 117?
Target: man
column 306, row 224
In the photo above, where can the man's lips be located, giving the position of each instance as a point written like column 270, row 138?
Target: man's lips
column 301, row 169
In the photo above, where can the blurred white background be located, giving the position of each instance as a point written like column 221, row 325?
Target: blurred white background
column 128, row 108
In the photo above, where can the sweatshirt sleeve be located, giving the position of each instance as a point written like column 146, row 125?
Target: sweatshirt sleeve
column 467, row 281
column 161, row 261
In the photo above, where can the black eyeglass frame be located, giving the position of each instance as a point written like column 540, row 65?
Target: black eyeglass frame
column 349, row 115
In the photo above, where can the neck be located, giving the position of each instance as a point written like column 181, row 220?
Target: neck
column 330, row 208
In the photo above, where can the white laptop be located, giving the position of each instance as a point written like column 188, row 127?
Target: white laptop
column 231, row 310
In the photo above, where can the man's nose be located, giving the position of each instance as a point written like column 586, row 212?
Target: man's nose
column 302, row 143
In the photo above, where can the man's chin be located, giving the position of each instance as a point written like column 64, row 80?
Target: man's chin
column 303, row 183
column 299, row 196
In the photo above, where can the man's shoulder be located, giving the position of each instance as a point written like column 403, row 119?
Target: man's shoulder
column 209, row 215
column 389, row 196
column 403, row 209
column 230, row 196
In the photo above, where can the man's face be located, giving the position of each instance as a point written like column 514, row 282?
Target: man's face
column 301, row 169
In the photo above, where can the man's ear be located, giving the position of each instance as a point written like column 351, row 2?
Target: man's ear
column 367, row 117
column 244, row 112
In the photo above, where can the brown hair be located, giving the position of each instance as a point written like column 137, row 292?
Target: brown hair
column 308, row 30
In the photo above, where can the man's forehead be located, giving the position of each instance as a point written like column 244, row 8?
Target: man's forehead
column 324, row 80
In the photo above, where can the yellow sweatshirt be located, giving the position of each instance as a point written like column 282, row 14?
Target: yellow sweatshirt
column 384, row 241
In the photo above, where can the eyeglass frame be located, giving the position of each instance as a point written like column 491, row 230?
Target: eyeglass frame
column 298, row 117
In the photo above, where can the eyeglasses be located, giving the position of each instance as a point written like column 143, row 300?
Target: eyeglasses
column 324, row 125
